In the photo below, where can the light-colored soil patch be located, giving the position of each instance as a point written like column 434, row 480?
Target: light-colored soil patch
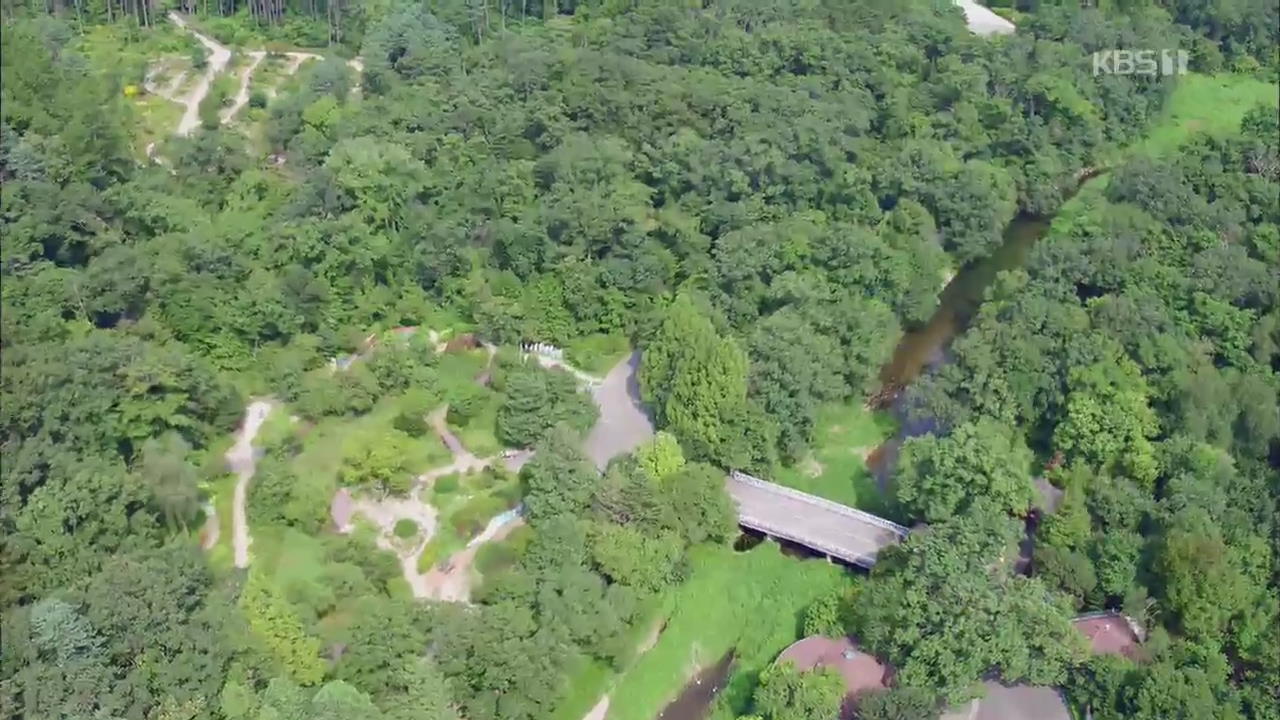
column 384, row 514
column 811, row 467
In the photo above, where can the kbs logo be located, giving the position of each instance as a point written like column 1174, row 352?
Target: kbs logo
column 1140, row 62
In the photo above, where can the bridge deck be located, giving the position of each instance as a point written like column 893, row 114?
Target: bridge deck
column 837, row 530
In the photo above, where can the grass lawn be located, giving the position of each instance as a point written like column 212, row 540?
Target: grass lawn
column 837, row 469
column 1201, row 103
column 752, row 601
column 157, row 119
column 597, row 353
column 1205, row 103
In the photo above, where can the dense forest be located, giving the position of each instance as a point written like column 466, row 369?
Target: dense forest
column 758, row 195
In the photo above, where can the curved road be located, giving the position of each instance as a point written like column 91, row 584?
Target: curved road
column 623, row 425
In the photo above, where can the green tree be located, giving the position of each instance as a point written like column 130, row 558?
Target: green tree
column 785, row 693
column 279, row 632
column 1109, row 423
column 377, row 462
column 694, row 379
column 660, row 456
column 171, row 478
column 558, row 480
column 937, row 477
column 700, row 505
column 338, row 700
column 898, row 703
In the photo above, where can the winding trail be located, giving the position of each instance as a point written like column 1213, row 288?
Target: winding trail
column 219, row 56
column 453, row 581
column 242, row 95
column 242, row 460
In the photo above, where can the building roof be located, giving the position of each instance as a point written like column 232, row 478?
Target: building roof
column 1109, row 634
column 861, row 672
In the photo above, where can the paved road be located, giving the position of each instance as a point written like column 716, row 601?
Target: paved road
column 837, row 530
column 623, row 424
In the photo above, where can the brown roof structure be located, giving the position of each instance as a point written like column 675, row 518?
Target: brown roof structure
column 861, row 672
column 1110, row 634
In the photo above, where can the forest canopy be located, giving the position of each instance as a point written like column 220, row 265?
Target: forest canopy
column 760, row 197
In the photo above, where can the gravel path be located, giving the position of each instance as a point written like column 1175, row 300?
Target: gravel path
column 242, row 461
column 454, row 581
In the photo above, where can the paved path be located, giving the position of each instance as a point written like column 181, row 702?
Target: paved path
column 623, row 425
column 242, row 461
column 831, row 528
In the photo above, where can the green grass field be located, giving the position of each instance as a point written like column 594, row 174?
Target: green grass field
column 596, row 354
column 1212, row 104
column 837, row 469
column 752, row 601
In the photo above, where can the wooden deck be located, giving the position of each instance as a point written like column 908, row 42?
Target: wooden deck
column 830, row 528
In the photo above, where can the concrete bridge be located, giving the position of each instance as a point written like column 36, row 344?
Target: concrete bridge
column 835, row 530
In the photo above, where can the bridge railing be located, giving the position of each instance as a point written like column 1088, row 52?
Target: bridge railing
column 854, row 513
column 863, row 559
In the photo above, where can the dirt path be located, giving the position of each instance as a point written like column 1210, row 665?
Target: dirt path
column 242, row 461
column 219, row 56
column 452, row 582
column 242, row 95
column 600, row 710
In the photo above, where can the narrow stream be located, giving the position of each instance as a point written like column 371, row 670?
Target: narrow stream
column 695, row 700
column 959, row 301
column 958, row 304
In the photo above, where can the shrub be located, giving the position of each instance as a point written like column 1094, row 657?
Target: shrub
column 405, row 528
column 411, row 422
column 471, row 518
column 495, row 556
column 446, row 485
column 257, row 99
column 432, row 553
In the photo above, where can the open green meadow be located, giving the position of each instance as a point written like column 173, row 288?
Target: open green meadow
column 750, row 601
column 836, row 469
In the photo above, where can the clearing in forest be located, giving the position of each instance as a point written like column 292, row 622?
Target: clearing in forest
column 836, row 468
